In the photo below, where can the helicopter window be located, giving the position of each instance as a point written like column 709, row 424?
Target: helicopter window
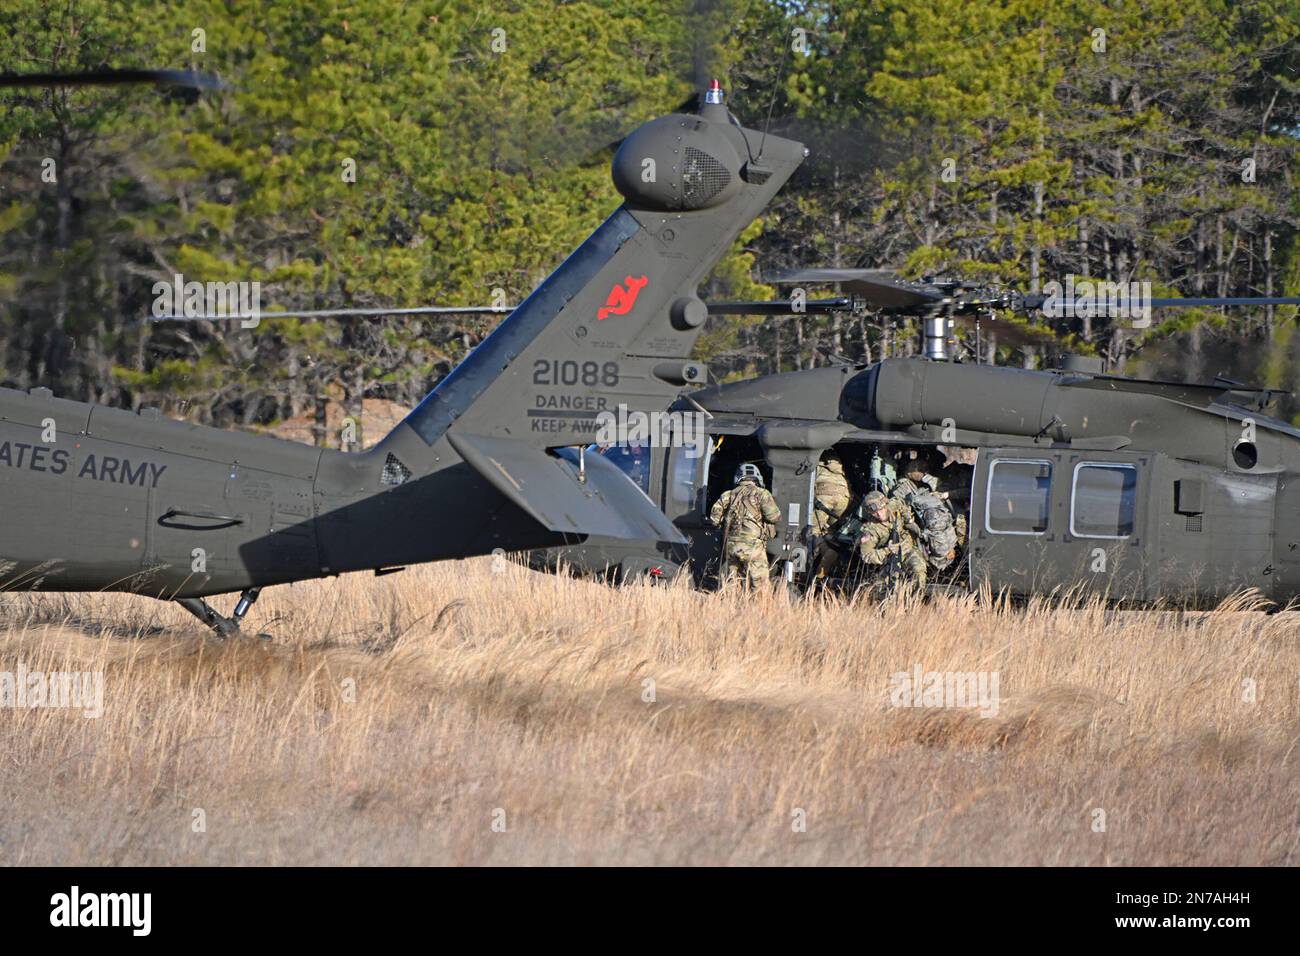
column 1103, row 500
column 1018, row 495
column 633, row 459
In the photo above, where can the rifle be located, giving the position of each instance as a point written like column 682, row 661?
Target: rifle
column 882, row 476
column 726, row 524
column 893, row 564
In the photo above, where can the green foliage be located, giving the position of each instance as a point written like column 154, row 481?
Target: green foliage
column 403, row 152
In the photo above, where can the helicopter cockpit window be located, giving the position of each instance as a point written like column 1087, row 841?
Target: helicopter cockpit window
column 1018, row 496
column 1103, row 500
column 686, row 479
column 631, row 458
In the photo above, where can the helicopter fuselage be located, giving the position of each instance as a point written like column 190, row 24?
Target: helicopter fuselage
column 1142, row 491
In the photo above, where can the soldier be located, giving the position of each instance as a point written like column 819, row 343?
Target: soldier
column 949, row 476
column 922, row 499
column 748, row 516
column 886, row 539
column 832, row 493
column 915, row 476
column 833, row 496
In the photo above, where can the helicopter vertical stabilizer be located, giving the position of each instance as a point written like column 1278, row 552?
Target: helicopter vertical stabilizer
column 616, row 322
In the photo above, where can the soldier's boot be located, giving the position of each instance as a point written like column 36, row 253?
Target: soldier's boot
column 825, row 560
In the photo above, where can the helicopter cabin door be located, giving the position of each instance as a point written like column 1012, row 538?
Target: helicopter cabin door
column 1060, row 520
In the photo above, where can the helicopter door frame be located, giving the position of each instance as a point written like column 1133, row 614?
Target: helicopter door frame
column 794, row 475
column 1114, row 564
column 1004, row 551
column 672, row 504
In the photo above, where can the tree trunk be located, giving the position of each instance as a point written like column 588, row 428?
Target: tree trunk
column 320, row 430
column 1268, row 283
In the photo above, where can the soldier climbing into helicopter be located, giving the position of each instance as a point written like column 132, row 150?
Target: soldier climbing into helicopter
column 923, row 502
column 832, row 497
column 916, row 534
column 887, row 546
column 748, row 516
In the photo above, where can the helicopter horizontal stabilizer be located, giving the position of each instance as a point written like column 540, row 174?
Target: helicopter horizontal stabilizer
column 566, row 494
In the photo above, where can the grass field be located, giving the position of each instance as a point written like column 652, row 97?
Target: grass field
column 473, row 712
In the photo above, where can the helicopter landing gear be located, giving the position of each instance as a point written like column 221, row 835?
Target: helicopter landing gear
column 222, row 625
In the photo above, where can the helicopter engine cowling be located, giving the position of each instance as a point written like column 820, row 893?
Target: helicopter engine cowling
column 1050, row 406
column 984, row 398
column 677, row 163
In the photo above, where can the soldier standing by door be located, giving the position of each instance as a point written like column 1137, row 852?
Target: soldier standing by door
column 748, row 516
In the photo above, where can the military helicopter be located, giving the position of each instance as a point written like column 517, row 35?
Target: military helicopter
column 1071, row 480
column 1174, row 490
column 98, row 498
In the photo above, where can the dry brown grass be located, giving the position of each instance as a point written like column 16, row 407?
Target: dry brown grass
column 477, row 691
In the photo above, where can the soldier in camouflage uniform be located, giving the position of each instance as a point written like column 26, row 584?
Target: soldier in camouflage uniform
column 885, row 537
column 944, row 489
column 832, row 499
column 917, row 479
column 748, row 516
column 914, row 477
column 832, row 493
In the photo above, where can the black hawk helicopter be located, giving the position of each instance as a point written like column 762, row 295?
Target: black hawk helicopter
column 1070, row 480
column 1175, row 490
column 97, row 498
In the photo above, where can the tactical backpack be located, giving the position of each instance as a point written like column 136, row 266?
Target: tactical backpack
column 741, row 498
column 938, row 537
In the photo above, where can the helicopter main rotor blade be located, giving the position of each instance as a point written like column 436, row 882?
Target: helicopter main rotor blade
column 184, row 78
column 340, row 313
column 1226, row 300
column 781, row 307
column 832, row 275
column 1100, row 306
column 879, row 289
column 763, row 307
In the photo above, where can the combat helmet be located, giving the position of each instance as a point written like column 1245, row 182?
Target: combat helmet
column 875, row 500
